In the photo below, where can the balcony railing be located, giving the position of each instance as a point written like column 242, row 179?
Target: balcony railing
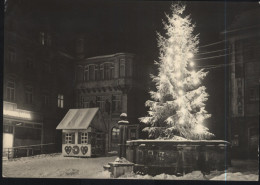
column 119, row 82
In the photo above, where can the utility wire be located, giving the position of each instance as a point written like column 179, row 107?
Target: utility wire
column 212, row 57
column 223, row 55
column 215, row 43
column 212, row 51
column 249, row 46
column 226, row 31
column 219, row 65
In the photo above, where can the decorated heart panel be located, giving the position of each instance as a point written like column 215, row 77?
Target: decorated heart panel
column 84, row 149
column 67, row 149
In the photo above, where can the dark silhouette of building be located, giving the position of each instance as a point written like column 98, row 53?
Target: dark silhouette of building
column 244, row 77
column 38, row 78
column 42, row 80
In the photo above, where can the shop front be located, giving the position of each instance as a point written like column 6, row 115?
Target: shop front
column 21, row 128
column 84, row 133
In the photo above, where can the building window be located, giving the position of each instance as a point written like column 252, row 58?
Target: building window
column 122, row 68
column 68, row 138
column 239, row 66
column 253, row 94
column 29, row 63
column 235, row 141
column 80, row 73
column 91, row 72
column 60, row 100
column 112, row 71
column 101, row 102
column 10, row 90
column 109, row 71
column 115, row 134
column 11, row 56
column 48, row 41
column 97, row 72
column 46, row 68
column 42, row 38
column 84, row 138
column 116, row 103
column 85, row 102
column 46, row 100
column 101, row 72
column 45, row 39
column 8, row 129
column 86, row 73
column 28, row 95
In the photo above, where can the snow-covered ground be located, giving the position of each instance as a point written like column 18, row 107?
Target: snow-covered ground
column 57, row 166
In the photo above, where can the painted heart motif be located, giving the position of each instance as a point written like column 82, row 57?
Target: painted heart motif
column 67, row 149
column 75, row 150
column 84, row 149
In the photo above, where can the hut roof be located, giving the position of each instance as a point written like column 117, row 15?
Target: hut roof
column 78, row 118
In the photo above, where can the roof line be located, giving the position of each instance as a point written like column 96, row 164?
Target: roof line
column 108, row 56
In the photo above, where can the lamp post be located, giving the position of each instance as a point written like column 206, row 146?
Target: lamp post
column 123, row 134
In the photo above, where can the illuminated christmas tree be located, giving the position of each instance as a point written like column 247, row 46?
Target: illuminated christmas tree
column 177, row 110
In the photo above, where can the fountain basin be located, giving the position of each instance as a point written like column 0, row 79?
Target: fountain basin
column 178, row 157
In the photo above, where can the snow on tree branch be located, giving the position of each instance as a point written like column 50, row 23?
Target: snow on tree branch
column 177, row 110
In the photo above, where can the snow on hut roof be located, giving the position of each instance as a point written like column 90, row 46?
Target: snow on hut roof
column 78, row 118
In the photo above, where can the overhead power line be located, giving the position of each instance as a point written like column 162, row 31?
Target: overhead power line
column 219, row 65
column 212, row 51
column 215, row 43
column 212, row 57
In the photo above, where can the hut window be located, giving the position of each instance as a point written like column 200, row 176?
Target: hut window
column 68, row 138
column 84, row 138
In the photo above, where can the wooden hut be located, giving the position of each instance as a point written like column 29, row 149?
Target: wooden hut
column 84, row 133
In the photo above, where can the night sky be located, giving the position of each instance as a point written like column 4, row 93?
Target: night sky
column 130, row 26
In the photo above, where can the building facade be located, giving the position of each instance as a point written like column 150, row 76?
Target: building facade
column 110, row 82
column 42, row 81
column 244, row 79
column 38, row 79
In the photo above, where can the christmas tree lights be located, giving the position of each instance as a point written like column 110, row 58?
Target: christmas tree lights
column 177, row 110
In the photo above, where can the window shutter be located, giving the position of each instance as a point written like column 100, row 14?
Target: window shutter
column 63, row 138
column 79, row 137
column 73, row 138
column 89, row 137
